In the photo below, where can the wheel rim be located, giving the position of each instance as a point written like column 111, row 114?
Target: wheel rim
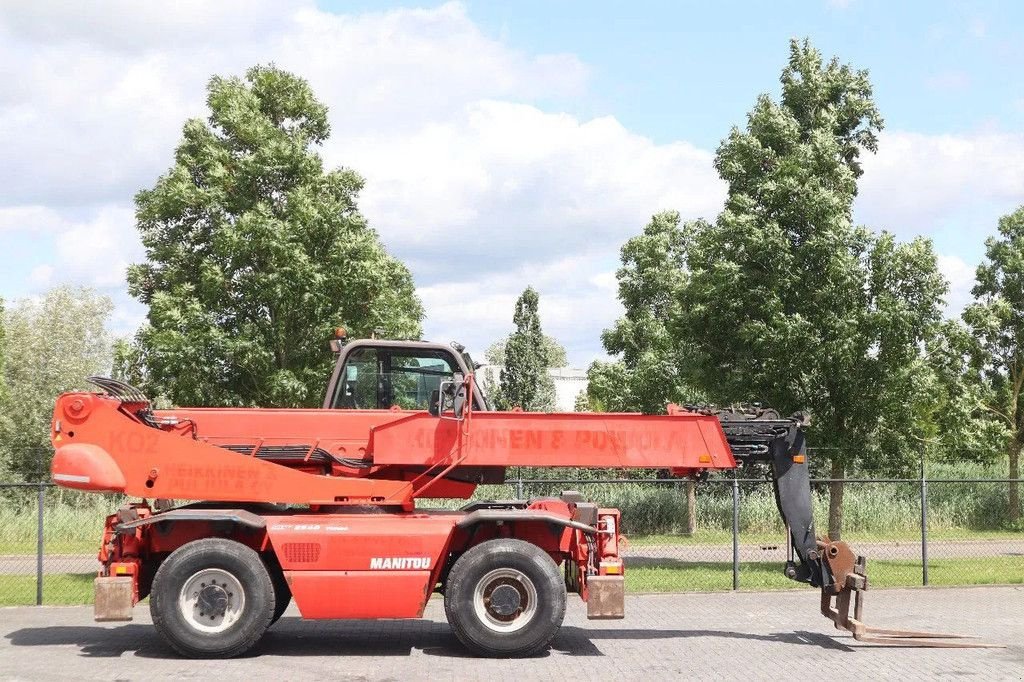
column 505, row 600
column 212, row 600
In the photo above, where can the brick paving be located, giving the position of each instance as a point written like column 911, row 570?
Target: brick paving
column 742, row 636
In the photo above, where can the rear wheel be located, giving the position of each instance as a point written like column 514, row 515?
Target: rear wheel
column 212, row 598
column 282, row 593
column 505, row 598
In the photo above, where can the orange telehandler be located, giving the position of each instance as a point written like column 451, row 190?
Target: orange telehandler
column 319, row 505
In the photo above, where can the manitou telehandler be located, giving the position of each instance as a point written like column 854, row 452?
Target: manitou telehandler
column 319, row 505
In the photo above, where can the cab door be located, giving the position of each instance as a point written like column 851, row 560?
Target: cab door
column 379, row 377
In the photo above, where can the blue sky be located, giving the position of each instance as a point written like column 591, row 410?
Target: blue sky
column 503, row 143
column 691, row 70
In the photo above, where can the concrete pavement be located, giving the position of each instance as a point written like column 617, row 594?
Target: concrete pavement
column 742, row 636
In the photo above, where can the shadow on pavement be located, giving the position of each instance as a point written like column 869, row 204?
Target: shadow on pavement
column 295, row 637
column 577, row 641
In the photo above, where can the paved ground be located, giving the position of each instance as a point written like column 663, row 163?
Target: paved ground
column 14, row 564
column 739, row 636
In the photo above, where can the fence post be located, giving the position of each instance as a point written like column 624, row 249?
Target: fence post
column 735, row 534
column 691, row 506
column 39, row 546
column 519, row 487
column 924, row 527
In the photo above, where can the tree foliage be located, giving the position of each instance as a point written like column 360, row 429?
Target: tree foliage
column 524, row 379
column 790, row 304
column 255, row 253
column 996, row 322
column 53, row 344
column 581, row 403
column 3, row 386
column 649, row 371
column 961, row 425
column 782, row 300
column 555, row 351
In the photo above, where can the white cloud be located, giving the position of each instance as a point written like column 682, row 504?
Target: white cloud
column 954, row 80
column 100, row 94
column 960, row 276
column 951, row 187
column 469, row 178
column 41, row 276
column 98, row 251
column 93, row 251
column 504, row 183
column 574, row 305
column 480, row 190
column 33, row 219
column 917, row 182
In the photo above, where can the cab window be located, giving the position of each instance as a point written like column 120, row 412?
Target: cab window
column 359, row 381
column 410, row 378
column 379, row 378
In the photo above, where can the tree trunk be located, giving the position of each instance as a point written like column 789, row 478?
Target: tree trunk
column 691, row 507
column 1013, row 510
column 835, row 500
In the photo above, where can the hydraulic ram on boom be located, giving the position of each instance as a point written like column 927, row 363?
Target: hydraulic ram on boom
column 319, row 506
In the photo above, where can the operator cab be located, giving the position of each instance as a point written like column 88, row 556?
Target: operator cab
column 377, row 374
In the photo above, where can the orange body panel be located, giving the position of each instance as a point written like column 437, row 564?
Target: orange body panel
column 360, row 594
column 362, row 565
column 563, row 440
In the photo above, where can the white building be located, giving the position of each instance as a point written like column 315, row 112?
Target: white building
column 569, row 382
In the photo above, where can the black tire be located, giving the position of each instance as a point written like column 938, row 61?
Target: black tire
column 236, row 564
column 496, row 564
column 282, row 593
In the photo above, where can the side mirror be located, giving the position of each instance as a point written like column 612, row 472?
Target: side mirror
column 458, row 395
column 453, row 393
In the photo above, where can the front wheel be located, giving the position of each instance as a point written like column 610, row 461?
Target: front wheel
column 505, row 598
column 212, row 598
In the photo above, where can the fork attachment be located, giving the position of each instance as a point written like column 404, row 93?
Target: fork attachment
column 851, row 580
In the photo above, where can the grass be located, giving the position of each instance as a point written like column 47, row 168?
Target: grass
column 72, row 522
column 64, row 589
column 709, row 576
column 724, row 537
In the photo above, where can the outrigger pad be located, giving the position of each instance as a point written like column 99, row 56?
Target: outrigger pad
column 606, row 597
column 113, row 599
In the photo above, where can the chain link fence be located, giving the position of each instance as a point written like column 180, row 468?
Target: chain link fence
column 722, row 534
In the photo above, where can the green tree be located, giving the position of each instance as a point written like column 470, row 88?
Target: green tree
column 650, row 356
column 3, row 388
column 996, row 321
column 524, row 380
column 53, row 344
column 557, row 357
column 581, row 403
column 784, row 301
column 960, row 418
column 610, row 387
column 255, row 253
